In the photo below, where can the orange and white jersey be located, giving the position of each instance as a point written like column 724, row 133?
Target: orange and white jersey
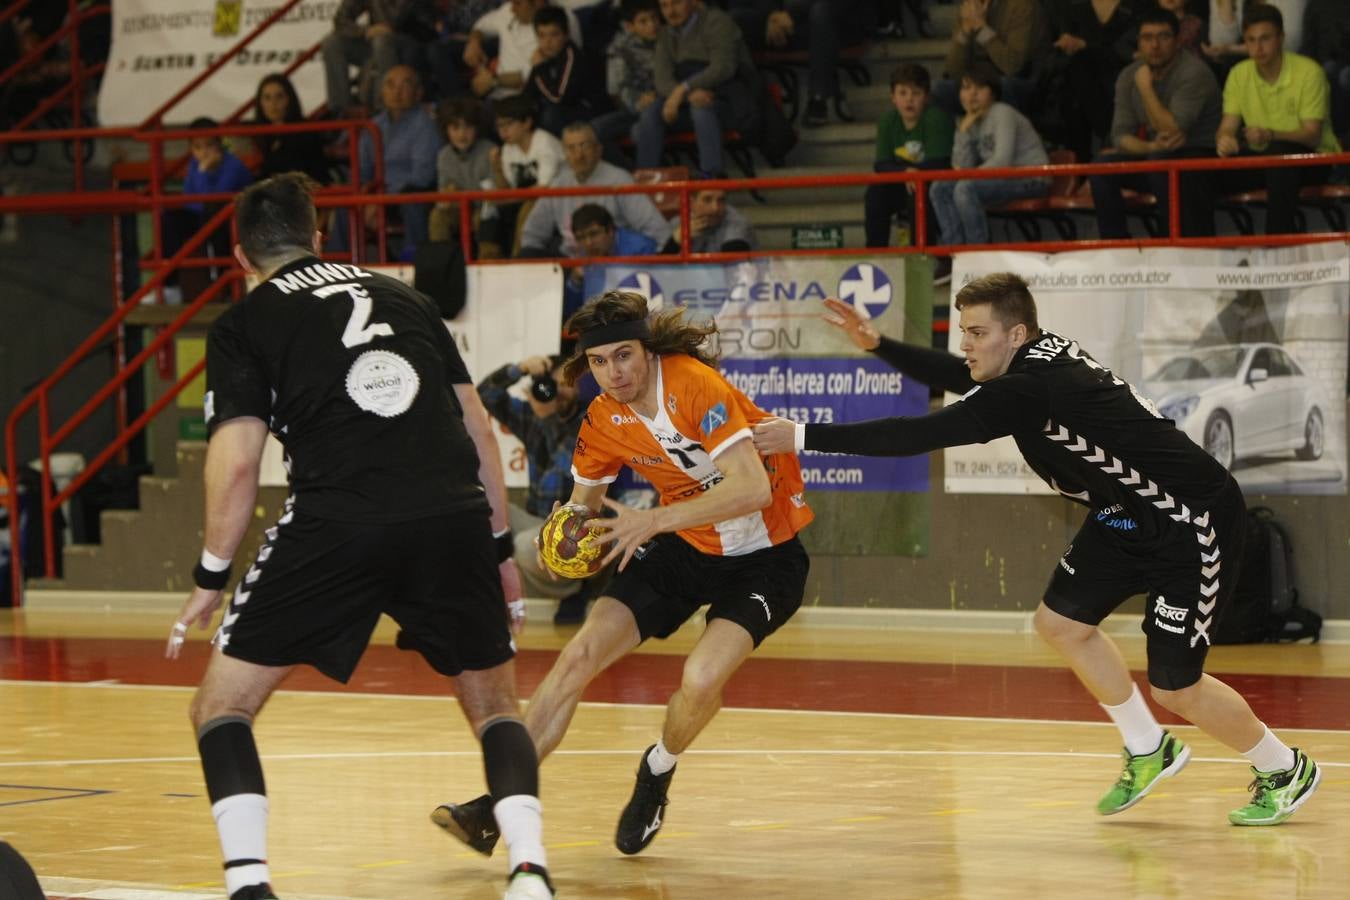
column 701, row 415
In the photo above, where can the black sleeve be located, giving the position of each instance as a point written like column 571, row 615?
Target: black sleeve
column 951, row 426
column 935, row 368
column 236, row 384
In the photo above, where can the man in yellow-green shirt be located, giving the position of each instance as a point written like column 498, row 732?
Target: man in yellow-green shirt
column 1274, row 103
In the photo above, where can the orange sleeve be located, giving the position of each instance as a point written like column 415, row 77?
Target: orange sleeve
column 716, row 410
column 593, row 460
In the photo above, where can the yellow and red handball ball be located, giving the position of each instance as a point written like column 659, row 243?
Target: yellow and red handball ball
column 568, row 545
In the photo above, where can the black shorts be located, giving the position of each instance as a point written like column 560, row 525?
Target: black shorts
column 317, row 588
column 670, row 580
column 1189, row 575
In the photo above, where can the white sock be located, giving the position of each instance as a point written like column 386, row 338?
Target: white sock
column 1270, row 754
column 1141, row 731
column 241, row 820
column 661, row 760
column 521, row 820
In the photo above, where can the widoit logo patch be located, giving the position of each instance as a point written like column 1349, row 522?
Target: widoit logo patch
column 867, row 288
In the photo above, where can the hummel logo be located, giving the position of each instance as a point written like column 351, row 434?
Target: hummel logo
column 768, row 616
column 649, row 830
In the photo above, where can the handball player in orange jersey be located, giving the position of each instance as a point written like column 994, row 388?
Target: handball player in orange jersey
column 724, row 534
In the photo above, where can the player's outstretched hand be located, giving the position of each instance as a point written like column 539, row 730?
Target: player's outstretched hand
column 852, row 322
column 199, row 607
column 774, row 435
column 515, row 603
column 628, row 530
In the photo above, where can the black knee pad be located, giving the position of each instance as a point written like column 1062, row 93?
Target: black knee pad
column 1173, row 676
column 509, row 759
column 230, row 758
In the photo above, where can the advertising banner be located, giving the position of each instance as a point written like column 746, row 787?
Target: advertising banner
column 158, row 46
column 1244, row 349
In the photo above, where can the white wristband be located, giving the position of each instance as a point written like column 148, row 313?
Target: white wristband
column 213, row 563
column 503, row 533
column 799, row 436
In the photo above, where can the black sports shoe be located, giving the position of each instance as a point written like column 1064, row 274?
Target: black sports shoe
column 472, row 823
column 529, row 881
column 642, row 817
column 254, row 892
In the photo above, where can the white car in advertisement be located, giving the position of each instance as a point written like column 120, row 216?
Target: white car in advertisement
column 1240, row 401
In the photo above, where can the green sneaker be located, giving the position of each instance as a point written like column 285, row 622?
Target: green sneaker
column 1276, row 795
column 1142, row 772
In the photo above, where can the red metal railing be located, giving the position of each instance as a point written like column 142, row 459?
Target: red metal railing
column 80, row 74
column 49, row 440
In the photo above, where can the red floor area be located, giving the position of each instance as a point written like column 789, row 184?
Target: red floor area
column 1020, row 692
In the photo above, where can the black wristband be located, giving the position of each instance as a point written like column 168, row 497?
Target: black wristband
column 208, row 580
column 506, row 546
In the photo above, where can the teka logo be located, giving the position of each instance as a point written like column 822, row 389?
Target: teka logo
column 1163, row 610
column 647, row 286
column 867, row 288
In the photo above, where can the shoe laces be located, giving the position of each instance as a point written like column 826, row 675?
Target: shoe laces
column 1261, row 787
column 1126, row 779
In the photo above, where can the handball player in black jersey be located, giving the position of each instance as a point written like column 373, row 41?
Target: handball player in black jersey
column 1164, row 519
column 396, row 495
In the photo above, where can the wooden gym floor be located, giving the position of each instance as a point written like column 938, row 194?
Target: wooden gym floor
column 847, row 763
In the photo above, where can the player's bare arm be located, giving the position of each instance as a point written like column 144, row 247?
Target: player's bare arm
column 233, row 457
column 744, row 488
column 479, row 425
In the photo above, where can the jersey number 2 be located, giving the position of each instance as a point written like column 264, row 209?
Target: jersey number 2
column 357, row 332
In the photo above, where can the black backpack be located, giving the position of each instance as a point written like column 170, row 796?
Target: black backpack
column 1264, row 606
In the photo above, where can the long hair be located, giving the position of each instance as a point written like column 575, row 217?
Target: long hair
column 670, row 332
column 294, row 112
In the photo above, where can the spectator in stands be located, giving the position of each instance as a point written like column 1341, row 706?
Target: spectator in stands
column 566, row 83
column 463, row 164
column 1006, row 33
column 913, row 135
column 1275, row 102
column 446, row 52
column 1190, row 27
column 892, row 18
column 548, row 227
column 276, row 103
column 1167, row 106
column 1224, row 47
column 704, row 78
column 512, row 24
column 990, row 135
column 547, row 424
column 629, row 71
column 715, row 226
column 528, row 157
column 1094, row 40
column 395, row 32
column 213, row 169
column 1327, row 26
column 821, row 27
column 410, row 141
column 597, row 236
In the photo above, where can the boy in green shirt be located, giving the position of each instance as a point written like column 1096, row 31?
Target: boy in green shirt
column 914, row 135
column 1274, row 103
